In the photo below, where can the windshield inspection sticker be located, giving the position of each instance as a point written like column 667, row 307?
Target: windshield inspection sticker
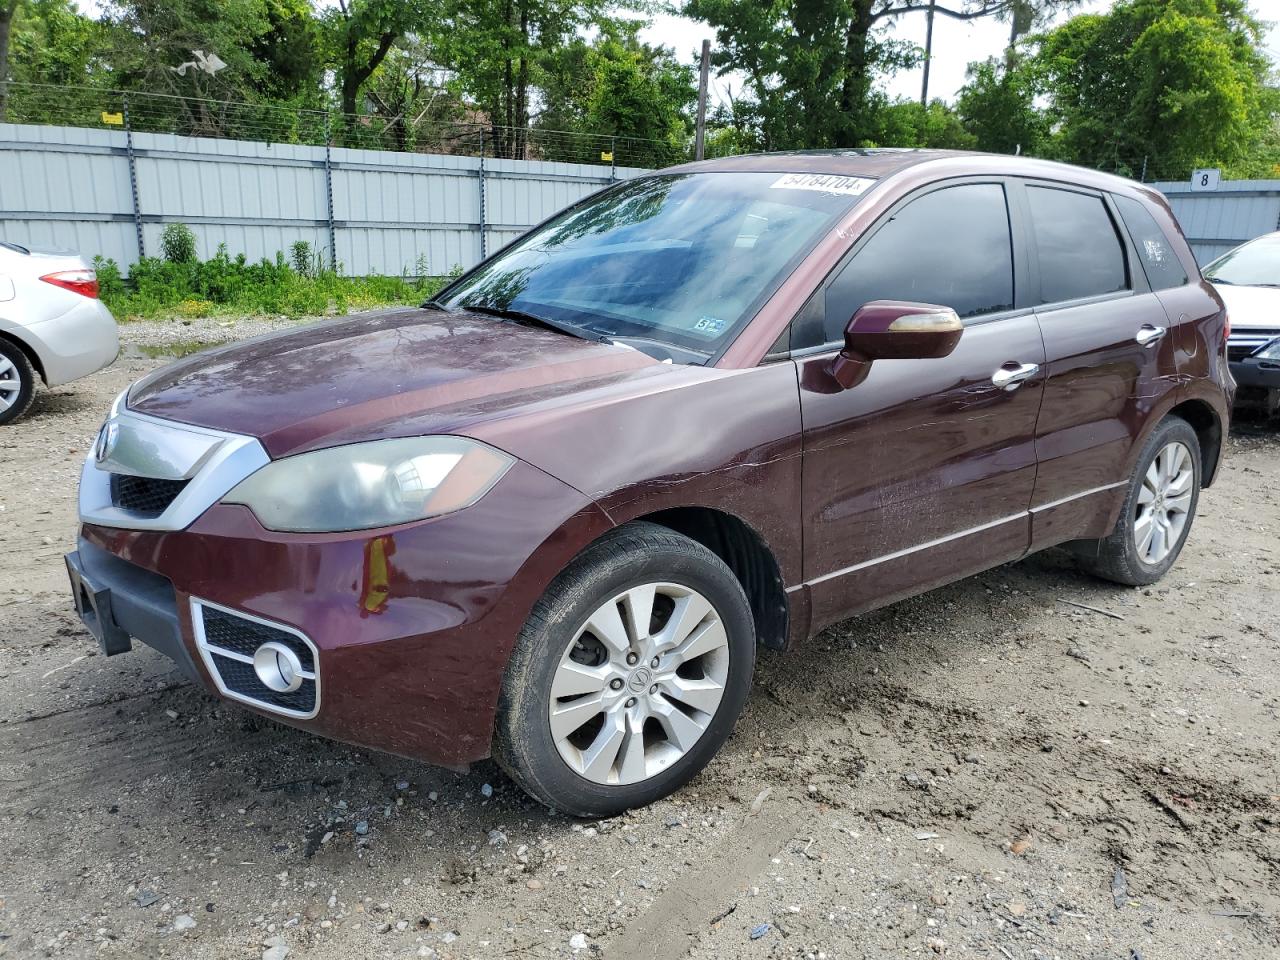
column 822, row 183
column 709, row 326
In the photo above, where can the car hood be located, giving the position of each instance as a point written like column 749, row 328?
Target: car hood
column 393, row 373
column 1251, row 307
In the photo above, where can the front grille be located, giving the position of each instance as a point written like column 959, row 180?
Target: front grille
column 1244, row 341
column 145, row 496
column 226, row 631
column 240, row 678
column 228, row 641
column 1237, row 351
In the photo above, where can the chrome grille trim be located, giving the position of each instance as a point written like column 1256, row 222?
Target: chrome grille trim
column 1251, row 339
column 212, row 461
column 210, row 653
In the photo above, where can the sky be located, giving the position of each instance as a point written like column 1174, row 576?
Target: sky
column 955, row 44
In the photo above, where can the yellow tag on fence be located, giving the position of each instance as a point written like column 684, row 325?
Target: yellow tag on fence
column 115, row 119
column 606, row 156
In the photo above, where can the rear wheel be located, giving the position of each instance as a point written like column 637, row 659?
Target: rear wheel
column 628, row 676
column 17, row 382
column 1158, row 510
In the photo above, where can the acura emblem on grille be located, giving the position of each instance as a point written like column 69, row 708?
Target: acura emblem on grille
column 108, row 436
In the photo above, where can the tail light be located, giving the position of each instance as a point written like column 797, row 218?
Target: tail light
column 1226, row 322
column 83, row 282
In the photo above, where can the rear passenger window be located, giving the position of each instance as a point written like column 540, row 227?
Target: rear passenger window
column 1159, row 260
column 1079, row 251
column 950, row 247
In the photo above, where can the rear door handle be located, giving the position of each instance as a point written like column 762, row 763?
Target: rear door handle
column 1149, row 336
column 1010, row 376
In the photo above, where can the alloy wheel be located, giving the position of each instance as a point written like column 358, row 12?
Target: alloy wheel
column 10, row 383
column 1164, row 503
column 639, row 684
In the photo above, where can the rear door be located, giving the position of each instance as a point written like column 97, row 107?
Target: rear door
column 1111, row 355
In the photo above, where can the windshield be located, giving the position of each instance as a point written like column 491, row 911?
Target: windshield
column 683, row 260
column 1256, row 264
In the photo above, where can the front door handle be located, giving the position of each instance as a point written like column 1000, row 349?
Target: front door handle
column 1149, row 335
column 1011, row 375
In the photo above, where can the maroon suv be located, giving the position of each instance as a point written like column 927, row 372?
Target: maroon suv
column 551, row 515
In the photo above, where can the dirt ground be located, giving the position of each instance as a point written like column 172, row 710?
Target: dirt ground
column 986, row 771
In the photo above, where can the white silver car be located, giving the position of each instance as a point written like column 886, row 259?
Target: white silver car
column 53, row 327
column 1248, row 279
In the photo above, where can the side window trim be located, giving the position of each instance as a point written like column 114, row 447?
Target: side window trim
column 1134, row 274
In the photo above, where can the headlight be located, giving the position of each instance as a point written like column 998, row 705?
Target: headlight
column 376, row 484
column 1270, row 352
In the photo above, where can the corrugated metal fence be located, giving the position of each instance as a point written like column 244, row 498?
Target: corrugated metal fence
column 369, row 211
column 111, row 192
column 1215, row 221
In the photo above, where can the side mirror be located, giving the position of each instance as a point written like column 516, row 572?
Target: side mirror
column 895, row 330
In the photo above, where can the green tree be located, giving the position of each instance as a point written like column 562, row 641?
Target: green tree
column 811, row 64
column 998, row 107
column 54, row 43
column 1170, row 84
column 360, row 35
column 618, row 86
column 906, row 123
column 291, row 49
column 498, row 47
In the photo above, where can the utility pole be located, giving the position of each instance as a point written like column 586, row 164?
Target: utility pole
column 700, row 137
column 928, row 55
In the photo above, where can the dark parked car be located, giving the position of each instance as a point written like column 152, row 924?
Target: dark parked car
column 551, row 515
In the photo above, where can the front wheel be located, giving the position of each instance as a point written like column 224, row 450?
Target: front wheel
column 1157, row 513
column 628, row 676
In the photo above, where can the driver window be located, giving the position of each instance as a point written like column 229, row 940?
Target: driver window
column 950, row 247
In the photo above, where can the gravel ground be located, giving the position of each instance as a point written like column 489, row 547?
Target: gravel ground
column 985, row 771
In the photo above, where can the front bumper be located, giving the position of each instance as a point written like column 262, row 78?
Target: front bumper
column 412, row 628
column 79, row 342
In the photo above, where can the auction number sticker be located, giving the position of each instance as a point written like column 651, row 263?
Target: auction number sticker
column 822, row 183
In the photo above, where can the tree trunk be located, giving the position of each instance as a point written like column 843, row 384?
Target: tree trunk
column 508, row 85
column 8, row 9
column 350, row 85
column 1021, row 18
column 522, row 85
column 857, row 75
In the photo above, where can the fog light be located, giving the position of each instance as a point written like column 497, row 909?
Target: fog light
column 278, row 667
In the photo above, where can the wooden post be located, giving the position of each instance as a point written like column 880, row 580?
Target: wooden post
column 700, row 138
column 928, row 55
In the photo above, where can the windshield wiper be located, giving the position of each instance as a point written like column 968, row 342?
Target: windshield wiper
column 533, row 320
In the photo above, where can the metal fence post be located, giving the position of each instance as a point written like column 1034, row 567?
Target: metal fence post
column 133, row 179
column 613, row 158
column 328, row 191
column 484, row 240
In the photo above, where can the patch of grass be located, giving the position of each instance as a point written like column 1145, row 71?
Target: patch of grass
column 225, row 285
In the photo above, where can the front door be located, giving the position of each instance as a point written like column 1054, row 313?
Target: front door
column 923, row 472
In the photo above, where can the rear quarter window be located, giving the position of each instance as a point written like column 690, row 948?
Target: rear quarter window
column 1155, row 252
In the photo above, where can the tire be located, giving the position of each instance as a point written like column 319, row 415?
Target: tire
column 1127, row 556
column 596, row 769
column 15, row 367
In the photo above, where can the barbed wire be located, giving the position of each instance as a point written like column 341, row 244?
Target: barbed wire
column 55, row 105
